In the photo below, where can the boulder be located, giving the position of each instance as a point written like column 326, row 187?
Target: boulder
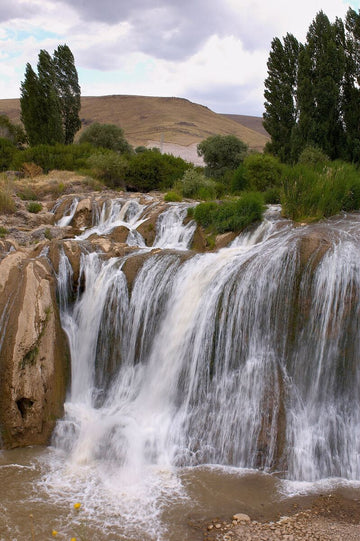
column 34, row 357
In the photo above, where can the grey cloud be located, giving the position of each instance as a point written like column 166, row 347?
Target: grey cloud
column 15, row 10
column 164, row 28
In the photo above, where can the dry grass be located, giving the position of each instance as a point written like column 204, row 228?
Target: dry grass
column 144, row 119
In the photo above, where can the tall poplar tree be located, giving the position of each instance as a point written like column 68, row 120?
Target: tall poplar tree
column 29, row 101
column 281, row 109
column 49, row 102
column 351, row 90
column 320, row 78
column 68, row 90
column 50, row 99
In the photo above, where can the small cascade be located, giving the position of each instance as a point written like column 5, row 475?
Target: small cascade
column 114, row 213
column 171, row 232
column 70, row 213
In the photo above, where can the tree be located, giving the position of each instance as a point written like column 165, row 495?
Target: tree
column 106, row 136
column 222, row 153
column 51, row 129
column 321, row 72
column 68, row 91
column 50, row 99
column 351, row 90
column 281, row 111
column 29, row 102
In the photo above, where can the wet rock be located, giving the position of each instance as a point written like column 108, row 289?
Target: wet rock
column 34, row 352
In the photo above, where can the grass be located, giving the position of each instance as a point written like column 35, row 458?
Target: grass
column 34, row 207
column 229, row 215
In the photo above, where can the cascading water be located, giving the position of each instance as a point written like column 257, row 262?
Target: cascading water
column 247, row 357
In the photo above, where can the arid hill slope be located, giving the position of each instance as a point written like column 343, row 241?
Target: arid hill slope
column 155, row 120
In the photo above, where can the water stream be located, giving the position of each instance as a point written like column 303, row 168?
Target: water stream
column 211, row 369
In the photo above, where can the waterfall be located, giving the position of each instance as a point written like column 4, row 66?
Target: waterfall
column 246, row 357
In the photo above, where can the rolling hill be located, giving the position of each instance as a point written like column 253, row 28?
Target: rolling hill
column 158, row 121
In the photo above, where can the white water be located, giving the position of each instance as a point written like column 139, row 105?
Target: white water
column 70, row 213
column 240, row 358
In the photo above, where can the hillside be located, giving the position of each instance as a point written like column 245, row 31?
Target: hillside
column 255, row 123
column 156, row 121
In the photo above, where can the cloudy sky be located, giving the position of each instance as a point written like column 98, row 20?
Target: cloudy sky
column 212, row 52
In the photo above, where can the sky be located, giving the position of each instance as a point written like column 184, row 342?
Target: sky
column 212, row 52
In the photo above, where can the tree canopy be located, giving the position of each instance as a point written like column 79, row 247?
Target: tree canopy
column 106, row 136
column 312, row 95
column 221, row 153
column 50, row 98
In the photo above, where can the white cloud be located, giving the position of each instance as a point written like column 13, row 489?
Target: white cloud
column 212, row 51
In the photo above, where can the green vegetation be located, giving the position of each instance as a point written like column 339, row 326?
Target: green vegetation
column 195, row 185
column 34, row 207
column 221, row 153
column 172, row 197
column 311, row 194
column 230, row 215
column 108, row 166
column 312, row 91
column 13, row 132
column 58, row 156
column 106, row 136
column 151, row 170
column 50, row 99
column 262, row 171
column 3, row 232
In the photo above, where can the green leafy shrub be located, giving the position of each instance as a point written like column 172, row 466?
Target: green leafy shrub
column 109, row 166
column 3, row 232
column 221, row 153
column 107, row 136
column 233, row 215
column 313, row 157
column 272, row 196
column 7, row 152
column 262, row 171
column 239, row 180
column 195, row 185
column 59, row 156
column 34, row 207
column 172, row 197
column 151, row 170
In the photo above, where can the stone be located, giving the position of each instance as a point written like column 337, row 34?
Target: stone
column 241, row 517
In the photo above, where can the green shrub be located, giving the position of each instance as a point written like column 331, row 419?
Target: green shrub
column 221, row 153
column 3, row 232
column 7, row 152
column 151, row 170
column 239, row 180
column 314, row 193
column 195, row 185
column 107, row 136
column 109, row 166
column 262, row 171
column 172, row 197
column 48, row 157
column 272, row 196
column 313, row 156
column 233, row 215
column 34, row 207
